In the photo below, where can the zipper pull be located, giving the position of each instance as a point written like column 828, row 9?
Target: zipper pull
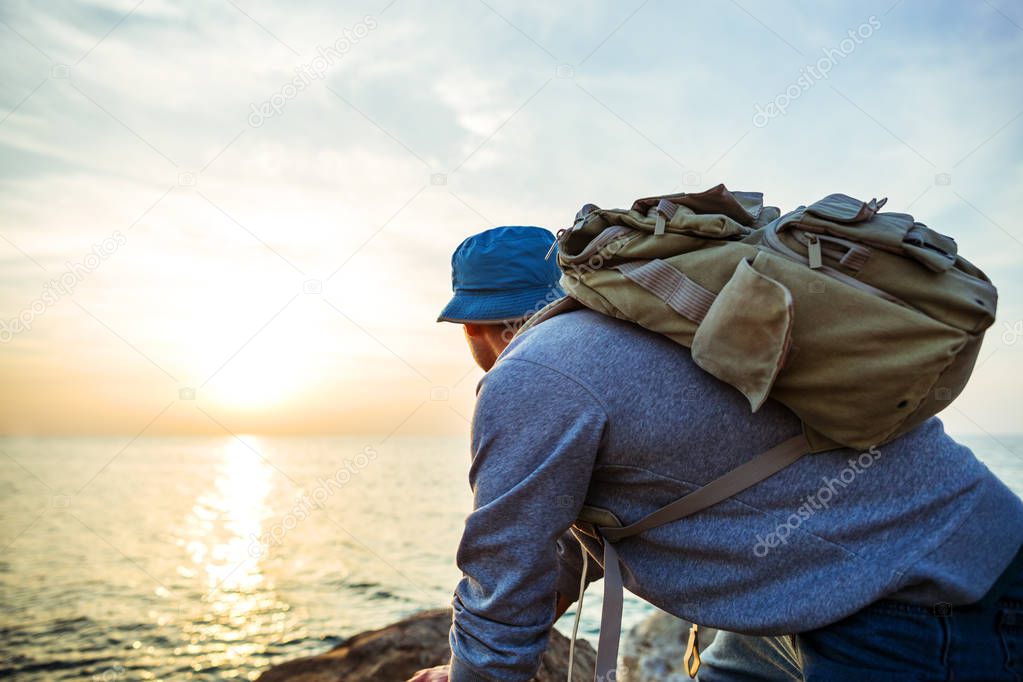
column 691, row 659
column 554, row 244
column 813, row 251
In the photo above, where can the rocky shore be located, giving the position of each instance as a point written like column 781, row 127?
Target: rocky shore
column 396, row 652
column 651, row 652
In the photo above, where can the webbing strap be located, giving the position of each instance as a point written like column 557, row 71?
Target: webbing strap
column 610, row 617
column 664, row 210
column 683, row 295
column 732, row 483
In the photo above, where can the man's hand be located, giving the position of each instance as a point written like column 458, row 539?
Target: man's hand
column 438, row 674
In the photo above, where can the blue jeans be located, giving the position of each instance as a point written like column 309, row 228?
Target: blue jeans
column 887, row 641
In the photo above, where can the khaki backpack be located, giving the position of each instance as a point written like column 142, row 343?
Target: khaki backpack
column 863, row 323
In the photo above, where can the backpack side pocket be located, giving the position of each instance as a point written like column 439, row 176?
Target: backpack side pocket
column 745, row 337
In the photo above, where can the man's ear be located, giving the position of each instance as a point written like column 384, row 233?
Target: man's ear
column 474, row 329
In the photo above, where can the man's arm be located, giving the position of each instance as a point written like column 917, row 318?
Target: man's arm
column 536, row 434
column 441, row 673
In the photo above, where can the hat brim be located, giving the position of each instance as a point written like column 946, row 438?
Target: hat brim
column 484, row 307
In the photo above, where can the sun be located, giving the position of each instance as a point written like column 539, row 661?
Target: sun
column 270, row 372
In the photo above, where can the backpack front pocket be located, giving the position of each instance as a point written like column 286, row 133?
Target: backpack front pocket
column 745, row 336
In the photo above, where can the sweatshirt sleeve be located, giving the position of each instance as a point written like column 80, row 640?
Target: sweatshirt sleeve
column 535, row 438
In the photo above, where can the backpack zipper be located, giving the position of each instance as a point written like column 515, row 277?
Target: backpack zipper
column 775, row 244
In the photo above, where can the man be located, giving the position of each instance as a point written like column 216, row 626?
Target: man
column 903, row 563
column 500, row 277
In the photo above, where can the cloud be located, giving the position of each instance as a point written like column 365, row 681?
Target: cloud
column 443, row 120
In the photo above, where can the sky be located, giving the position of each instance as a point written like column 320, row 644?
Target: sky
column 238, row 216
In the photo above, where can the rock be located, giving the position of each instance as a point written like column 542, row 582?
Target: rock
column 653, row 650
column 396, row 652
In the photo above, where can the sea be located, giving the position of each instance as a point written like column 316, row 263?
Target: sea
column 187, row 558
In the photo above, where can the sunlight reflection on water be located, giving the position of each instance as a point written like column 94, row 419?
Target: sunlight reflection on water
column 239, row 604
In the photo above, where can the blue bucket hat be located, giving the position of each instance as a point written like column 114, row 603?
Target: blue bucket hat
column 501, row 275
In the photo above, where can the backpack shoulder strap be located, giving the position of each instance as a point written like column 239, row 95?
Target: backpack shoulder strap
column 564, row 304
column 732, row 483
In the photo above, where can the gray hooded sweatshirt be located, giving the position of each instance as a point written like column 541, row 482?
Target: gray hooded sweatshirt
column 588, row 408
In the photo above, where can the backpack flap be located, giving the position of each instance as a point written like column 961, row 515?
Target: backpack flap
column 747, row 209
column 742, row 207
column 851, row 219
column 843, row 208
column 745, row 336
column 845, row 217
column 936, row 251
